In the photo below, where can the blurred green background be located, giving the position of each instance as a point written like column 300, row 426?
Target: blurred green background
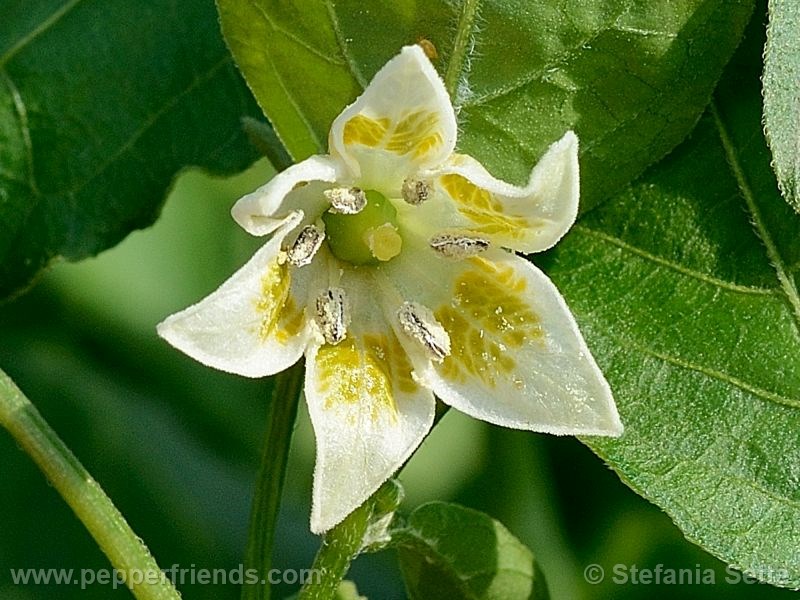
column 176, row 444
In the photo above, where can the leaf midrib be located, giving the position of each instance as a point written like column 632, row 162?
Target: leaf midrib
column 782, row 270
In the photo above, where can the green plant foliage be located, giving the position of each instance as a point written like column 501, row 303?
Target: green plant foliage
column 686, row 287
column 101, row 103
column 448, row 551
column 630, row 76
column 782, row 95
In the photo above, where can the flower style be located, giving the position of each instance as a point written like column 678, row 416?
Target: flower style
column 391, row 266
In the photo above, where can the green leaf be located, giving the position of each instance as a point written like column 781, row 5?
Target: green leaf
column 781, row 97
column 685, row 286
column 631, row 76
column 448, row 551
column 101, row 103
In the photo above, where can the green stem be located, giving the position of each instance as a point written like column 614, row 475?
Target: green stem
column 363, row 529
column 339, row 548
column 271, row 475
column 127, row 553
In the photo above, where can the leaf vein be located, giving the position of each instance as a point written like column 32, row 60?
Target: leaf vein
column 22, row 115
column 153, row 120
column 720, row 283
column 758, row 392
column 774, row 254
column 294, row 37
column 348, row 59
column 37, row 31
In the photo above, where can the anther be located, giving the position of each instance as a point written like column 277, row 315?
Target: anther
column 419, row 323
column 458, row 246
column 306, row 245
column 332, row 315
column 416, row 191
column 347, row 201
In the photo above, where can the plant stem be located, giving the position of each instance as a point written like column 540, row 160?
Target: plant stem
column 364, row 529
column 281, row 417
column 127, row 553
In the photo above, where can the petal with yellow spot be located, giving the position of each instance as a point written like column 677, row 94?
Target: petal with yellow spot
column 368, row 415
column 402, row 123
column 250, row 325
column 517, row 358
column 525, row 219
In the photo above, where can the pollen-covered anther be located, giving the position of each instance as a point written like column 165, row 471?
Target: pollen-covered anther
column 458, row 246
column 419, row 323
column 347, row 201
column 308, row 242
column 333, row 315
column 416, row 191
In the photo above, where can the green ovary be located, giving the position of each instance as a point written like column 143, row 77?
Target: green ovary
column 366, row 238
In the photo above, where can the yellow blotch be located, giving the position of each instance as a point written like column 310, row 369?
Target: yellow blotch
column 416, row 133
column 290, row 322
column 370, row 370
column 487, row 319
column 481, row 207
column 274, row 293
column 387, row 351
column 365, row 131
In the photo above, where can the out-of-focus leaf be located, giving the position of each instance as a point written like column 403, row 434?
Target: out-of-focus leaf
column 782, row 95
column 631, row 76
column 101, row 103
column 686, row 288
column 448, row 551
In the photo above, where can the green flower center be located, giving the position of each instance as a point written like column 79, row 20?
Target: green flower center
column 365, row 238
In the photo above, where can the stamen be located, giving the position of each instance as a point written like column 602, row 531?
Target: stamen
column 419, row 323
column 416, row 191
column 458, row 246
column 332, row 315
column 347, row 201
column 306, row 245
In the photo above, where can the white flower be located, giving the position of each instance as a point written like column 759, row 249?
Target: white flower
column 390, row 266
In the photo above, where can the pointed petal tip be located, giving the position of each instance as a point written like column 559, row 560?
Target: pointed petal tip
column 322, row 523
column 570, row 138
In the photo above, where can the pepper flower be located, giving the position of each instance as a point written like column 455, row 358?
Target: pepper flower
column 391, row 266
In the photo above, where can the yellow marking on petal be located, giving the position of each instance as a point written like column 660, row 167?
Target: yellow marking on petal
column 486, row 211
column 274, row 292
column 486, row 319
column 366, row 371
column 365, row 131
column 291, row 321
column 383, row 242
column 416, row 133
column 386, row 350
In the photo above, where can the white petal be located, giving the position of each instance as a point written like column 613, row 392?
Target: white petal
column 517, row 358
column 404, row 121
column 528, row 219
column 299, row 187
column 368, row 413
column 254, row 324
